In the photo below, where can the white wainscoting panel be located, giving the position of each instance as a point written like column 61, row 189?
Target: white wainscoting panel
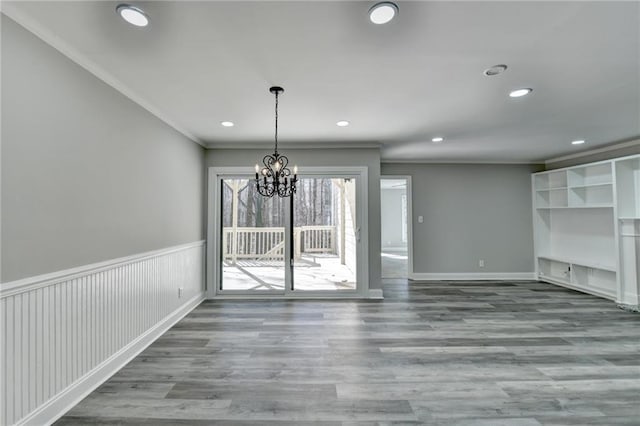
column 58, row 329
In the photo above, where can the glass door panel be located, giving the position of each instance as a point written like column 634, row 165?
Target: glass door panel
column 252, row 254
column 324, row 234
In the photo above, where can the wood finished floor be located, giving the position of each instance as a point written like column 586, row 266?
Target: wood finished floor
column 446, row 353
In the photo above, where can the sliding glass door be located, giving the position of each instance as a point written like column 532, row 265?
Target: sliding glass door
column 325, row 234
column 252, row 255
column 306, row 244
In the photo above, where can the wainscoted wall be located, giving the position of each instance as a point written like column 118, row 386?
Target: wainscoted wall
column 62, row 334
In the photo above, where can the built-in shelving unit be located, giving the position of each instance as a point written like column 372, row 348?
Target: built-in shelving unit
column 628, row 196
column 584, row 187
column 587, row 227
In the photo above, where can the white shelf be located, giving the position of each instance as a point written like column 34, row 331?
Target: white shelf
column 595, row 206
column 593, row 185
column 554, row 270
column 591, row 195
column 551, row 180
column 557, row 197
column 590, row 174
column 589, row 279
column 589, row 290
column 583, row 195
column 578, row 262
column 553, row 189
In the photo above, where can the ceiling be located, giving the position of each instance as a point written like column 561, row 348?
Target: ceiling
column 399, row 84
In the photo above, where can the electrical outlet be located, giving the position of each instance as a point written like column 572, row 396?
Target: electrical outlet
column 420, row 219
column 180, row 290
column 481, row 263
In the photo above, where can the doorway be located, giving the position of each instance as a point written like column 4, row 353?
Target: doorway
column 395, row 232
column 307, row 245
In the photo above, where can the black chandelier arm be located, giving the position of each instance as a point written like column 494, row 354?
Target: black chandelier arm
column 286, row 190
column 268, row 161
column 284, row 162
column 265, row 189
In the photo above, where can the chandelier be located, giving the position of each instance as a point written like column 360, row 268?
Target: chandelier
column 275, row 177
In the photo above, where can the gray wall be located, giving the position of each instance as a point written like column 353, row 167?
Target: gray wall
column 471, row 212
column 87, row 175
column 369, row 157
column 391, row 217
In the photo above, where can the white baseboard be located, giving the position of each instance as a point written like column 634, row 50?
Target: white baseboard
column 67, row 399
column 305, row 295
column 473, row 276
column 375, row 293
column 629, row 308
column 630, row 298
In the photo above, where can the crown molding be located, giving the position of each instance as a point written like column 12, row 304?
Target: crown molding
column 31, row 25
column 450, row 161
column 290, row 145
column 614, row 147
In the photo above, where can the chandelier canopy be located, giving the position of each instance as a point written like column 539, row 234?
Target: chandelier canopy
column 275, row 177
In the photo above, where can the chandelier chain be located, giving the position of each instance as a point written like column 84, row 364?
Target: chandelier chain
column 276, row 150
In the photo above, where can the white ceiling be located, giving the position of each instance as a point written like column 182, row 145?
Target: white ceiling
column 399, row 84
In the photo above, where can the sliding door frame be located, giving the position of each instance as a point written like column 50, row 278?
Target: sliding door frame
column 214, row 219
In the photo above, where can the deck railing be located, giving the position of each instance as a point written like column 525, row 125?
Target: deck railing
column 268, row 243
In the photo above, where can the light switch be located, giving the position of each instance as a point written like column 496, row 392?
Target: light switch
column 420, row 219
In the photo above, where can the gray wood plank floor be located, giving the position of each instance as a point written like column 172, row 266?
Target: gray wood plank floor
column 440, row 353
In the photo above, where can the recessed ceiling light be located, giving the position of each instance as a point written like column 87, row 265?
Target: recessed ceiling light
column 227, row 123
column 518, row 93
column 342, row 123
column 578, row 142
column 495, row 70
column 437, row 139
column 133, row 15
column 383, row 12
